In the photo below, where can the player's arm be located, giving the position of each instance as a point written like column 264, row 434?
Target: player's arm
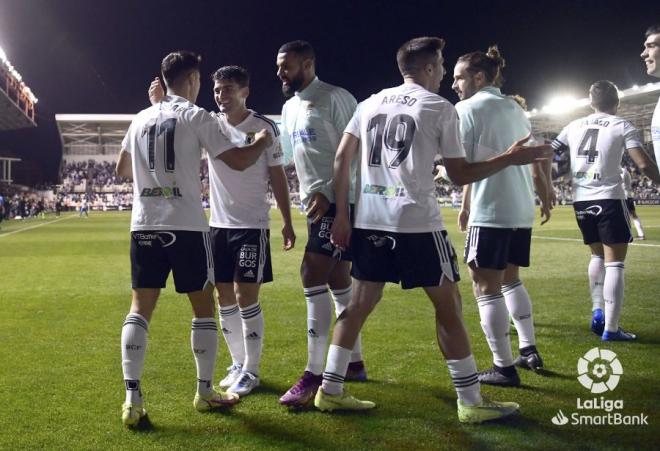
column 464, row 214
column 340, row 234
column 462, row 172
column 124, row 168
column 281, row 192
column 241, row 158
column 541, row 188
column 643, row 161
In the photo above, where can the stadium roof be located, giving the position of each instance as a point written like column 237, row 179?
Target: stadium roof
column 16, row 98
column 636, row 104
column 92, row 129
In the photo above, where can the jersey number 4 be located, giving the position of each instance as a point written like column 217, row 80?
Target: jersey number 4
column 167, row 143
column 395, row 133
column 587, row 147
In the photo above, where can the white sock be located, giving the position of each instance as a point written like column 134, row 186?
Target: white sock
column 638, row 226
column 319, row 317
column 495, row 323
column 342, row 297
column 133, row 349
column 335, row 370
column 520, row 308
column 463, row 374
column 232, row 330
column 613, row 294
column 204, row 343
column 253, row 331
column 596, row 272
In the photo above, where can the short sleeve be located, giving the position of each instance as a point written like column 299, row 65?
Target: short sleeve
column 466, row 129
column 126, row 143
column 343, row 108
column 560, row 143
column 211, row 133
column 631, row 136
column 285, row 138
column 353, row 126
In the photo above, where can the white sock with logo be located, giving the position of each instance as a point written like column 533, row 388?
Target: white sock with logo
column 133, row 349
column 596, row 272
column 232, row 331
column 463, row 375
column 613, row 294
column 335, row 370
column 319, row 317
column 495, row 323
column 342, row 297
column 204, row 343
column 520, row 308
column 253, row 333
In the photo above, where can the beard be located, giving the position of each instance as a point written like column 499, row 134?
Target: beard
column 294, row 85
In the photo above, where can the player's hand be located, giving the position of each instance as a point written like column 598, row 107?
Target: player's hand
column 156, row 92
column 520, row 154
column 289, row 237
column 340, row 232
column 545, row 212
column 318, row 207
column 264, row 137
column 463, row 217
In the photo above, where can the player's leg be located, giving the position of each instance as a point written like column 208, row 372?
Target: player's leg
column 341, row 290
column 224, row 262
column 191, row 257
column 613, row 292
column 331, row 395
column 630, row 204
column 596, row 273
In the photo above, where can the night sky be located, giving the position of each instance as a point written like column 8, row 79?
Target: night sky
column 83, row 56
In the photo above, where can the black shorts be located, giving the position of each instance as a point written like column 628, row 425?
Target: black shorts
column 318, row 241
column 414, row 259
column 603, row 221
column 630, row 204
column 495, row 248
column 187, row 254
column 241, row 255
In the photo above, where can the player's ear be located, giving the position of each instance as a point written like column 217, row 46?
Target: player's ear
column 246, row 92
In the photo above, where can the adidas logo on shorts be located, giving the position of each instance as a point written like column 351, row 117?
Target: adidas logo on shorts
column 250, row 273
column 328, row 246
column 253, row 336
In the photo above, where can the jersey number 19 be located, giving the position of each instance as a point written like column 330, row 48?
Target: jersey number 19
column 395, row 134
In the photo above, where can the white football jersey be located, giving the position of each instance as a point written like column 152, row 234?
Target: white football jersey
column 596, row 143
column 238, row 198
column 165, row 142
column 655, row 132
column 401, row 131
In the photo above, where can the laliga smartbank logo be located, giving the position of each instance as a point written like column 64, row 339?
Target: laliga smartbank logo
column 599, row 371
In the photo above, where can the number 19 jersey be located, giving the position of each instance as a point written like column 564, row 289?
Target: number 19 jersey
column 596, row 143
column 165, row 142
column 401, row 131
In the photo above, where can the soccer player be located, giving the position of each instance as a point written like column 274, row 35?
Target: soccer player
column 501, row 213
column 399, row 234
column 161, row 153
column 596, row 143
column 240, row 238
column 651, row 57
column 630, row 202
column 313, row 120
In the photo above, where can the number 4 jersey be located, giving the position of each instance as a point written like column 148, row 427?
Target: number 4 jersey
column 165, row 142
column 401, row 131
column 596, row 143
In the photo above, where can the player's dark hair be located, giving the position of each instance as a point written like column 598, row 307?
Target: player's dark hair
column 604, row 95
column 416, row 53
column 653, row 29
column 236, row 74
column 178, row 64
column 302, row 48
column 490, row 63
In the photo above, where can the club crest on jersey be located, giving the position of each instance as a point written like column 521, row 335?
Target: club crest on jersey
column 161, row 191
column 249, row 137
column 384, row 191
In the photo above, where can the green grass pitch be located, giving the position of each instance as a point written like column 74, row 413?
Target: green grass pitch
column 65, row 289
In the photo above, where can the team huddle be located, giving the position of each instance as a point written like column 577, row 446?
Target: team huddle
column 383, row 226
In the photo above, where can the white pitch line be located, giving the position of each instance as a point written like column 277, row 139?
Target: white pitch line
column 35, row 226
column 580, row 241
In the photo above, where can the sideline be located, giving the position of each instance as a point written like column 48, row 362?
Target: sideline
column 580, row 241
column 37, row 225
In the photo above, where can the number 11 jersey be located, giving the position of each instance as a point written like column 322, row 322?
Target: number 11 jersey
column 596, row 143
column 165, row 142
column 401, row 131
